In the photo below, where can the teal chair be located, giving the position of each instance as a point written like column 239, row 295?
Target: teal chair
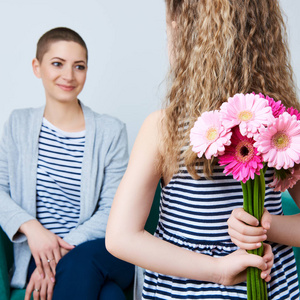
column 6, row 260
column 290, row 208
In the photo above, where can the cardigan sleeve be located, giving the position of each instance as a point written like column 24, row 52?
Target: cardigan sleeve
column 12, row 215
column 115, row 164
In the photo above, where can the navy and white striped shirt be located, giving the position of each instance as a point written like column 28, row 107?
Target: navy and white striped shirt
column 59, row 178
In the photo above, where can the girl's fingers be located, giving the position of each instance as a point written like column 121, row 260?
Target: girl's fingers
column 269, row 259
column 241, row 215
column 246, row 246
column 266, row 219
column 243, row 228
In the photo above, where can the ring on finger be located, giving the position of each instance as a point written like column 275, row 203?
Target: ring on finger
column 49, row 260
column 36, row 290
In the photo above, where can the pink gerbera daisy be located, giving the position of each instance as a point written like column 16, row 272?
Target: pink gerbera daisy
column 279, row 144
column 240, row 158
column 249, row 111
column 277, row 107
column 294, row 112
column 285, row 179
column 209, row 136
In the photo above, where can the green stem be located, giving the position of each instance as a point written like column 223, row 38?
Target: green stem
column 254, row 196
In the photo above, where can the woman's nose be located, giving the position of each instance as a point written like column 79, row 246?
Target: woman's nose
column 68, row 73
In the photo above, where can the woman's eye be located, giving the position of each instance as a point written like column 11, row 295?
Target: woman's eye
column 57, row 64
column 80, row 67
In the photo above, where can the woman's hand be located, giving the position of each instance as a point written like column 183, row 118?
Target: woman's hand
column 233, row 267
column 45, row 247
column 41, row 288
column 245, row 231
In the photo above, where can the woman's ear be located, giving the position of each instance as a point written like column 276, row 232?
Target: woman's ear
column 36, row 68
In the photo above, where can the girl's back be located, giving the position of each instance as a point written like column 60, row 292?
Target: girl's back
column 193, row 215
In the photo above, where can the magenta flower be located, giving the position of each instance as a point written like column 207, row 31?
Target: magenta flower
column 294, row 112
column 283, row 181
column 241, row 158
column 277, row 107
column 209, row 136
column 249, row 111
column 279, row 144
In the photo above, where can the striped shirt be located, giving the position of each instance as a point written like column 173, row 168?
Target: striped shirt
column 193, row 215
column 59, row 178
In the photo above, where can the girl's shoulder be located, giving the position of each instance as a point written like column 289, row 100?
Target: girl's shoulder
column 155, row 119
column 150, row 134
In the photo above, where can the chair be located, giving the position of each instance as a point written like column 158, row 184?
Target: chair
column 290, row 208
column 6, row 260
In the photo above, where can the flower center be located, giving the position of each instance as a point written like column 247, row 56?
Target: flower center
column 211, row 134
column 280, row 141
column 244, row 151
column 245, row 115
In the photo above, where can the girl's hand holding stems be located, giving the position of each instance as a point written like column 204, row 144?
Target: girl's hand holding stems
column 246, row 233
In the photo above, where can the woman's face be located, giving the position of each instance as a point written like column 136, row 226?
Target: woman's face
column 63, row 71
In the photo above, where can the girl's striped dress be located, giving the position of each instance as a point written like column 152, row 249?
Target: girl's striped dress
column 193, row 215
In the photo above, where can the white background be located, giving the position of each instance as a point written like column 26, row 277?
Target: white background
column 127, row 53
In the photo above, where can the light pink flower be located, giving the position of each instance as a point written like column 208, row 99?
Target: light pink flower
column 293, row 111
column 209, row 136
column 279, row 143
column 249, row 111
column 240, row 158
column 282, row 182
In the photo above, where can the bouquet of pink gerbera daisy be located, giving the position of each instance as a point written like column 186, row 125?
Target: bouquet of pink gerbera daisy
column 248, row 134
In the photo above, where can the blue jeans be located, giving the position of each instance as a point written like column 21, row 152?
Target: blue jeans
column 90, row 272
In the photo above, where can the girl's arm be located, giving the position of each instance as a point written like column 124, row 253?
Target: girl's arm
column 127, row 239
column 275, row 228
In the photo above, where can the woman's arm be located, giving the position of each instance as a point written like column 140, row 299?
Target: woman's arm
column 18, row 224
column 127, row 239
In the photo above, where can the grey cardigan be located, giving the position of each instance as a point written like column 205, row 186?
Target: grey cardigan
column 104, row 163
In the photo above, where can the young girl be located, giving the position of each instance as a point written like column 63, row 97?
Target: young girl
column 60, row 166
column 216, row 49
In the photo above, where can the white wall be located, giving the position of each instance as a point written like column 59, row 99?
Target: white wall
column 127, row 53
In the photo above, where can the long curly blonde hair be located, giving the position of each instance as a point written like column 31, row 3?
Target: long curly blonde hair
column 222, row 47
